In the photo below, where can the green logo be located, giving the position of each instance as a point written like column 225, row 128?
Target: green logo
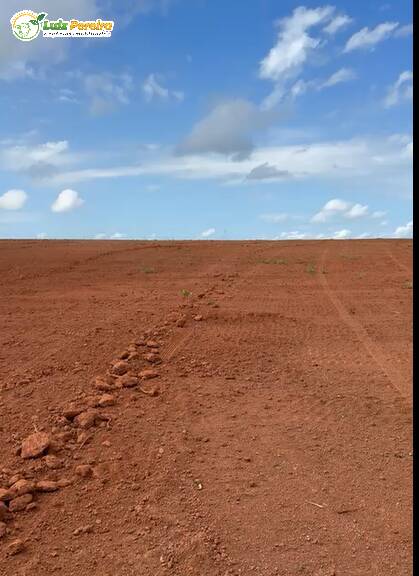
column 26, row 25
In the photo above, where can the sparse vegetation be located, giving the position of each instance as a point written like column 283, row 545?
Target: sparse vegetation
column 148, row 270
column 408, row 284
column 185, row 293
column 311, row 269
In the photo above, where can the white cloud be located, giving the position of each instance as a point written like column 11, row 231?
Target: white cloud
column 361, row 159
column 341, row 234
column 402, row 89
column 226, row 129
column 356, row 211
column 152, row 89
column 342, row 75
column 118, row 236
column 331, row 208
column 337, row 23
column 403, row 31
column 106, row 91
column 294, row 235
column 275, row 217
column 366, row 38
column 66, row 201
column 293, row 47
column 41, row 236
column 267, row 172
column 22, row 157
column 100, row 236
column 404, row 231
column 208, row 233
column 378, row 214
column 336, row 207
column 13, row 200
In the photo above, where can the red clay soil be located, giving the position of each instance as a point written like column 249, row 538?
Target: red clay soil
column 205, row 408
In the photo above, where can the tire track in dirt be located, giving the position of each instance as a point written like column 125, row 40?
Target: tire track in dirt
column 399, row 264
column 374, row 350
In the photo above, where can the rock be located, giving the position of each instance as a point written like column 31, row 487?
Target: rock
column 181, row 322
column 15, row 547
column 18, row 504
column 35, row 445
column 152, row 358
column 152, row 344
column 101, row 384
column 106, row 400
column 2, row 529
column 128, row 381
column 22, row 487
column 84, row 470
column 52, row 462
column 124, row 355
column 64, row 482
column 5, row 495
column 72, row 411
column 4, row 512
column 106, row 443
column 86, row 420
column 148, row 374
column 198, row 317
column 47, row 486
column 152, row 391
column 83, row 530
column 120, row 368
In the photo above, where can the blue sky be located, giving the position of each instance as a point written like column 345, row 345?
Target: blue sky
column 209, row 119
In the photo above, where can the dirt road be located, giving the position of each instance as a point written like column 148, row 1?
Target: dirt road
column 270, row 434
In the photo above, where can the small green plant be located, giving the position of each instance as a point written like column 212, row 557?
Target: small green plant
column 408, row 284
column 39, row 18
column 185, row 293
column 311, row 269
column 148, row 270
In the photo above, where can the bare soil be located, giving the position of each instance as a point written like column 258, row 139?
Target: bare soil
column 205, row 408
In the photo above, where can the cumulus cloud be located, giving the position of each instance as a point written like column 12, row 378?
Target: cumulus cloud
column 153, row 89
column 341, row 234
column 66, row 201
column 402, row 89
column 336, row 206
column 332, row 207
column 294, row 235
column 378, row 214
column 366, row 38
column 293, row 47
column 41, row 236
column 208, row 233
column 267, row 172
column 405, row 231
column 118, row 236
column 338, row 22
column 107, row 91
column 356, row 211
column 227, row 129
column 13, row 200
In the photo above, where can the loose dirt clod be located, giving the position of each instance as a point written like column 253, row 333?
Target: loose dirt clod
column 53, row 462
column 5, row 495
column 198, row 317
column 120, row 368
column 148, row 374
column 127, row 381
column 86, row 420
column 20, row 503
column 35, row 445
column 15, row 547
column 106, row 400
column 47, row 486
column 22, row 487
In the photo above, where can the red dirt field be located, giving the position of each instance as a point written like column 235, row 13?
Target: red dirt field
column 273, row 440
